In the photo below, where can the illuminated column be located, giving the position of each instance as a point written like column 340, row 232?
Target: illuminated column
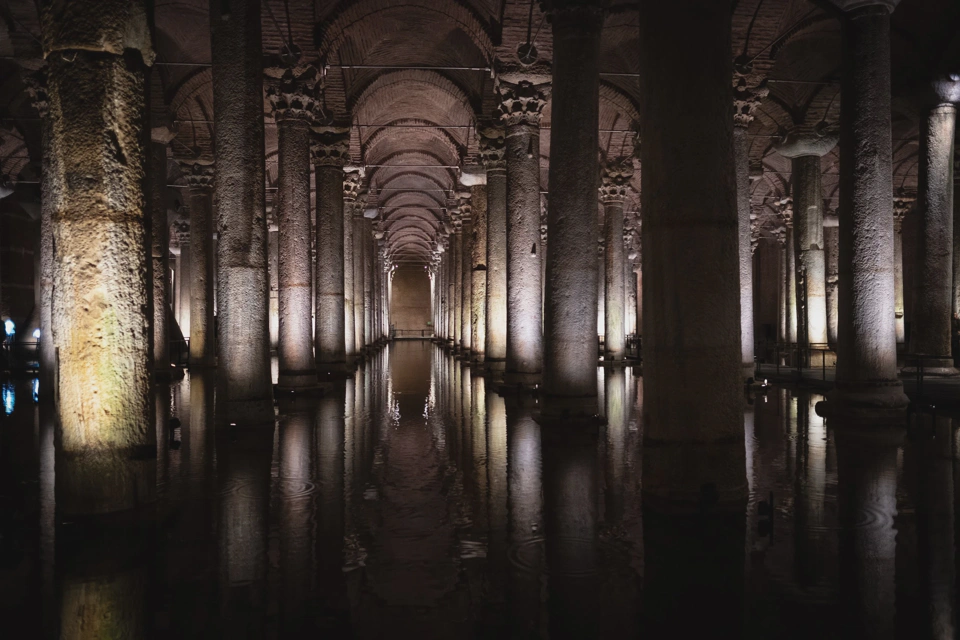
column 746, row 98
column 243, row 347
column 36, row 84
column 456, row 277
column 493, row 156
column 790, row 271
column 184, row 289
column 479, row 270
column 522, row 98
column 693, row 444
column 466, row 259
column 805, row 148
column 932, row 314
column 450, row 285
column 107, row 441
column 330, row 151
column 368, row 259
column 296, row 472
column 601, row 288
column 351, row 192
column 615, row 175
column 866, row 341
column 160, row 138
column 831, row 250
column 901, row 207
column 358, row 271
column 782, row 289
column 199, row 176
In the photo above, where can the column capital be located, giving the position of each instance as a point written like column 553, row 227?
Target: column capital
column 180, row 233
column 352, row 184
column 522, row 97
column 36, row 85
column 492, row 145
column 291, row 95
column 164, row 133
column 543, row 221
column 902, row 205
column 615, row 175
column 785, row 211
column 198, row 172
column 852, row 5
column 803, row 140
column 330, row 145
column 746, row 98
column 464, row 206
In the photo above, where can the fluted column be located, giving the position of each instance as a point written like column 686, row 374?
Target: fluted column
column 615, row 175
column 330, row 150
column 293, row 108
column 901, row 207
column 199, row 176
column 693, row 444
column 160, row 137
column 243, row 346
column 866, row 341
column 932, row 315
column 746, row 98
column 522, row 98
column 351, row 202
column 105, row 455
column 493, row 156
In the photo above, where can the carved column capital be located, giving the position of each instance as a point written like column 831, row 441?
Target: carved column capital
column 492, row 146
column 36, row 85
column 464, row 206
column 902, row 204
column 291, row 96
column 785, row 211
column 352, row 185
column 197, row 172
column 803, row 140
column 615, row 175
column 180, row 233
column 746, row 98
column 522, row 99
column 330, row 145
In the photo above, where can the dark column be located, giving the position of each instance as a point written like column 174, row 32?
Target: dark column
column 160, row 138
column 831, row 250
column 693, row 446
column 368, row 260
column 351, row 203
column 466, row 288
column 790, row 272
column 107, row 443
column 866, row 342
column 522, row 98
column 493, row 156
column 615, row 177
column 358, row 271
column 902, row 205
column 243, row 296
column 932, row 319
column 199, row 177
column 330, row 149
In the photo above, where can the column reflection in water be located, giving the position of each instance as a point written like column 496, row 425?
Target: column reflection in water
column 478, row 446
column 812, row 561
column 615, row 400
column 497, row 511
column 244, row 457
column 48, row 519
column 867, row 500
column 525, row 507
column 330, row 508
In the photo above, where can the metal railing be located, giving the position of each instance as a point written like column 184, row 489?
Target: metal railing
column 795, row 357
column 20, row 356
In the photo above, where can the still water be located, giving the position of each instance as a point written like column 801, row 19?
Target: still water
column 412, row 501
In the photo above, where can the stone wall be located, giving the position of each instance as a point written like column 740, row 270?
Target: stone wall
column 410, row 308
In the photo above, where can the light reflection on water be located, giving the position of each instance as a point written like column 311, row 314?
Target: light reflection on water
column 413, row 496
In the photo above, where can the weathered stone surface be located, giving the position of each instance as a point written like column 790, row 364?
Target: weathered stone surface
column 107, row 26
column 199, row 174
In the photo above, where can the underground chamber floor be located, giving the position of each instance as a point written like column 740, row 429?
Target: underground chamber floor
column 414, row 501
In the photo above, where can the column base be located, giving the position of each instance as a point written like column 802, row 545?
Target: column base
column 930, row 367
column 249, row 413
column 695, row 477
column 165, row 374
column 297, row 381
column 332, row 371
column 570, row 411
column 526, row 381
column 619, row 362
column 749, row 371
column 881, row 402
column 493, row 369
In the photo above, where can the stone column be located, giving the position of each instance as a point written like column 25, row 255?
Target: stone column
column 831, row 250
column 199, row 176
column 351, row 191
column 493, row 156
column 629, row 285
column 466, row 289
column 181, row 229
column 790, row 271
column 451, row 284
column 693, row 444
column 601, row 288
column 932, row 315
column 478, row 287
column 106, row 449
column 901, row 207
column 160, row 138
column 615, row 175
column 783, row 295
column 956, row 235
column 293, row 108
column 243, row 342
column 570, row 349
column 866, row 341
column 368, row 259
column 746, row 98
column 805, row 147
column 523, row 95
column 456, row 267
column 330, row 151
column 358, row 272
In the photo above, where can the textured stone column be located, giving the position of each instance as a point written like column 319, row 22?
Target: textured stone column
column 783, row 296
column 456, row 267
column 790, row 272
column 478, row 198
column 601, row 288
column 746, row 98
column 351, row 202
column 243, row 346
column 831, row 250
column 330, row 150
column 901, row 206
column 358, row 272
column 866, row 341
column 451, row 284
column 199, row 176
column 805, row 147
column 693, row 443
column 956, row 234
column 184, row 289
column 368, row 258
column 466, row 259
column 160, row 137
column 933, row 290
column 493, row 156
column 106, row 449
column 615, row 177
column 522, row 98
column 293, row 109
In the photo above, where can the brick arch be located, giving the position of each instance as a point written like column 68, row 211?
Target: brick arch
column 388, row 140
column 412, row 94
